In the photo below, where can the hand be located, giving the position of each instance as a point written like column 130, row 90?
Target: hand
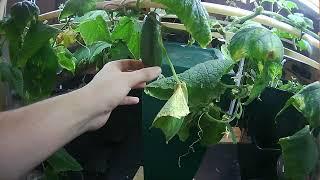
column 110, row 87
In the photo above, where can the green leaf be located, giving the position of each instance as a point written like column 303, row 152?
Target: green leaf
column 304, row 45
column 66, row 59
column 194, row 16
column 87, row 54
column 94, row 30
column 40, row 74
column 77, row 7
column 50, row 174
column 289, row 5
column 212, row 131
column 61, row 161
column 257, row 44
column 120, row 51
column 128, row 30
column 184, row 131
column 170, row 117
column 12, row 76
column 202, row 82
column 263, row 49
column 282, row 34
column 291, row 86
column 300, row 21
column 37, row 37
column 300, row 154
column 307, row 102
column 92, row 15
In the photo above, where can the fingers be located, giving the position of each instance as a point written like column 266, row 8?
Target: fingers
column 143, row 75
column 140, row 86
column 129, row 100
column 126, row 65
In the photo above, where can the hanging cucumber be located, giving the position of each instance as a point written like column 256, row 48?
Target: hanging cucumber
column 151, row 41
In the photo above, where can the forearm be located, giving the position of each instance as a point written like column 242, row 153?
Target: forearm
column 29, row 135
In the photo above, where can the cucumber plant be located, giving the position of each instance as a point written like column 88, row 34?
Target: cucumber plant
column 241, row 69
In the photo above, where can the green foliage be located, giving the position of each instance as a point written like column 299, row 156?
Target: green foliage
column 262, row 48
column 66, row 59
column 94, row 30
column 151, row 41
column 77, row 7
column 193, row 15
column 307, row 102
column 40, row 75
column 300, row 154
column 61, row 161
column 301, row 21
column 201, row 80
column 92, row 15
column 128, row 30
column 13, row 76
column 86, row 55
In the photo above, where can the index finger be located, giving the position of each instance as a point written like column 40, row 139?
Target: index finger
column 143, row 75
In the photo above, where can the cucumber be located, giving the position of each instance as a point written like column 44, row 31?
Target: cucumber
column 151, row 41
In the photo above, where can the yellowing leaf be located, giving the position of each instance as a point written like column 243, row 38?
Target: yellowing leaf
column 67, row 37
column 170, row 117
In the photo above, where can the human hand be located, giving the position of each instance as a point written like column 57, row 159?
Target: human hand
column 111, row 85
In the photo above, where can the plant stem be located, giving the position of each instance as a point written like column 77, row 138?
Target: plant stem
column 257, row 12
column 175, row 76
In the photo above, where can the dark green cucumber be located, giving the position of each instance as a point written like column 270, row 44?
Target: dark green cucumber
column 151, row 41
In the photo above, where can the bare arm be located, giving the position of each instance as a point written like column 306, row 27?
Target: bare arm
column 29, row 135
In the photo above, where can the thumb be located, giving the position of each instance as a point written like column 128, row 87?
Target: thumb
column 144, row 75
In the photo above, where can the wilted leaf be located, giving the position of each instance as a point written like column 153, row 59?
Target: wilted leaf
column 170, row 117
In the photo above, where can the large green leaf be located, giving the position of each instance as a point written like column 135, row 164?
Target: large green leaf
column 92, row 15
column 203, row 82
column 37, row 37
column 300, row 154
column 262, row 48
column 66, row 59
column 193, row 15
column 170, row 117
column 307, row 101
column 257, row 44
column 40, row 74
column 128, row 30
column 86, row 55
column 61, row 161
column 211, row 131
column 94, row 30
column 77, row 7
column 13, row 76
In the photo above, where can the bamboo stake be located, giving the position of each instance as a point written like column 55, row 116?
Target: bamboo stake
column 212, row 8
